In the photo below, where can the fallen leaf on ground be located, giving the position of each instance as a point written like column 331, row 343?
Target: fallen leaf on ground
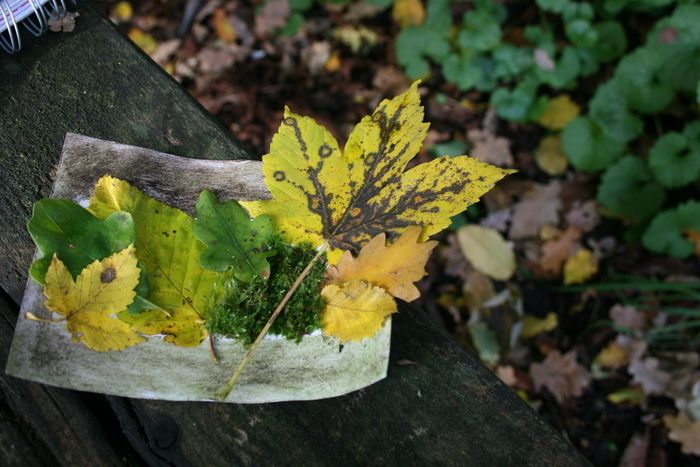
column 635, row 454
column 498, row 220
column 556, row 252
column 539, row 207
column 612, row 356
column 408, row 12
column 549, row 156
column 485, row 342
column 561, row 375
column 272, row 16
column 394, row 267
column 487, row 251
column 584, row 216
column 685, row 431
column 355, row 310
column 222, row 26
column 490, row 148
column 533, row 325
column 559, row 112
column 580, row 267
column 121, row 12
column 357, row 39
column 628, row 317
column 694, row 238
column 103, row 289
column 507, row 375
column 632, row 395
column 649, row 376
column 143, row 40
column 477, row 289
column 345, row 199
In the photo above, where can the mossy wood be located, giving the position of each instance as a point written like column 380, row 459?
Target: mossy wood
column 445, row 409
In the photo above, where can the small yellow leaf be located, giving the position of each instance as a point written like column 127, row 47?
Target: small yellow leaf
column 395, row 267
column 627, row 396
column 533, row 326
column 103, row 289
column 222, row 26
column 487, row 250
column 355, row 310
column 122, row 12
column 694, row 238
column 333, row 63
column 559, row 112
column 408, row 12
column 612, row 356
column 580, row 267
column 549, row 156
column 145, row 41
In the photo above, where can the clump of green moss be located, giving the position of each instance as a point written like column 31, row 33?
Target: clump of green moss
column 245, row 308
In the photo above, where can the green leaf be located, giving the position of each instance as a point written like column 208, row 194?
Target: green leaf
column 554, row 6
column 462, row 71
column 673, row 162
column 567, row 69
column 416, row 44
column 609, row 110
column 638, row 80
column 480, row 31
column 587, row 148
column 485, row 342
column 581, row 33
column 233, row 240
column 513, row 104
column 612, row 40
column 665, row 234
column 628, row 189
column 64, row 228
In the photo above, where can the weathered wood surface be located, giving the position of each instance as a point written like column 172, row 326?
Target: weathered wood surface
column 446, row 409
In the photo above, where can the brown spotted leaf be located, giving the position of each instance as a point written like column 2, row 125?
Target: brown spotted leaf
column 345, row 199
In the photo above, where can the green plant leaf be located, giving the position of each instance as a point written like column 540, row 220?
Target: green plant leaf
column 416, row 44
column 609, row 110
column 638, row 80
column 628, row 189
column 462, row 71
column 564, row 74
column 513, row 104
column 612, row 40
column 480, row 31
column 665, row 234
column 64, row 228
column 673, row 162
column 233, row 240
column 587, row 148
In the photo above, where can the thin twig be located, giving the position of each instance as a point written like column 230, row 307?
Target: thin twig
column 223, row 394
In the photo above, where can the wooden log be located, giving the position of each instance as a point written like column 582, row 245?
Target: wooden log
column 446, row 409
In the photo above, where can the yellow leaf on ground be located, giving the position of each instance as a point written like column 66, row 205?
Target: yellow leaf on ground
column 612, row 356
column 222, row 26
column 694, row 238
column 320, row 194
column 394, row 268
column 559, row 112
column 143, row 40
column 103, row 289
column 580, row 267
column 533, row 326
column 122, row 12
column 169, row 251
column 355, row 310
column 684, row 431
column 487, row 251
column 555, row 252
column 549, row 156
column 408, row 12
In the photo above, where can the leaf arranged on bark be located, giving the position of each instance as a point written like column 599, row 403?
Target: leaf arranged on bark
column 167, row 247
column 394, row 268
column 64, row 228
column 233, row 240
column 321, row 194
column 101, row 290
column 355, row 310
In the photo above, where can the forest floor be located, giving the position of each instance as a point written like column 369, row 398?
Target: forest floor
column 589, row 358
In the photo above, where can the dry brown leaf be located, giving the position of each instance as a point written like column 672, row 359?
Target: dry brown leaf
column 477, row 289
column 507, row 375
column 490, row 148
column 539, row 207
column 649, row 376
column 694, row 238
column 561, row 375
column 584, row 216
column 685, row 431
column 635, row 454
column 556, row 252
column 395, row 267
column 272, row 16
column 316, row 56
column 223, row 29
column 498, row 220
column 626, row 316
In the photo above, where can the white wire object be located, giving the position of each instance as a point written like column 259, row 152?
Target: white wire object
column 32, row 14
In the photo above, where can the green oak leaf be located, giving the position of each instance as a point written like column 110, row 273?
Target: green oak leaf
column 628, row 189
column 64, row 228
column 666, row 232
column 674, row 161
column 587, row 147
column 233, row 239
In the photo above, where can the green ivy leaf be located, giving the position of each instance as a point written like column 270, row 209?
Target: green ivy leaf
column 233, row 240
column 673, row 161
column 567, row 69
column 416, row 44
column 628, row 189
column 64, row 228
column 480, row 31
column 462, row 71
column 587, row 147
column 665, row 234
column 638, row 80
column 609, row 110
column 612, row 40
column 513, row 104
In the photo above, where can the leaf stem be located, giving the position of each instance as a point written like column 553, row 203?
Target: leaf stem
column 223, row 394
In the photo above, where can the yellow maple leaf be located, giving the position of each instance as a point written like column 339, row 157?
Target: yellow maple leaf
column 169, row 251
column 101, row 290
column 345, row 199
column 408, row 12
column 580, row 267
column 559, row 112
column 355, row 310
column 394, row 268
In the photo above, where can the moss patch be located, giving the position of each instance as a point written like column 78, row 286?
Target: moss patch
column 245, row 308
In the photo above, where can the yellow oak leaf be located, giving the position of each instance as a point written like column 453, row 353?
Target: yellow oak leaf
column 322, row 195
column 169, row 251
column 580, row 267
column 101, row 290
column 355, row 310
column 394, row 268
column 559, row 112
